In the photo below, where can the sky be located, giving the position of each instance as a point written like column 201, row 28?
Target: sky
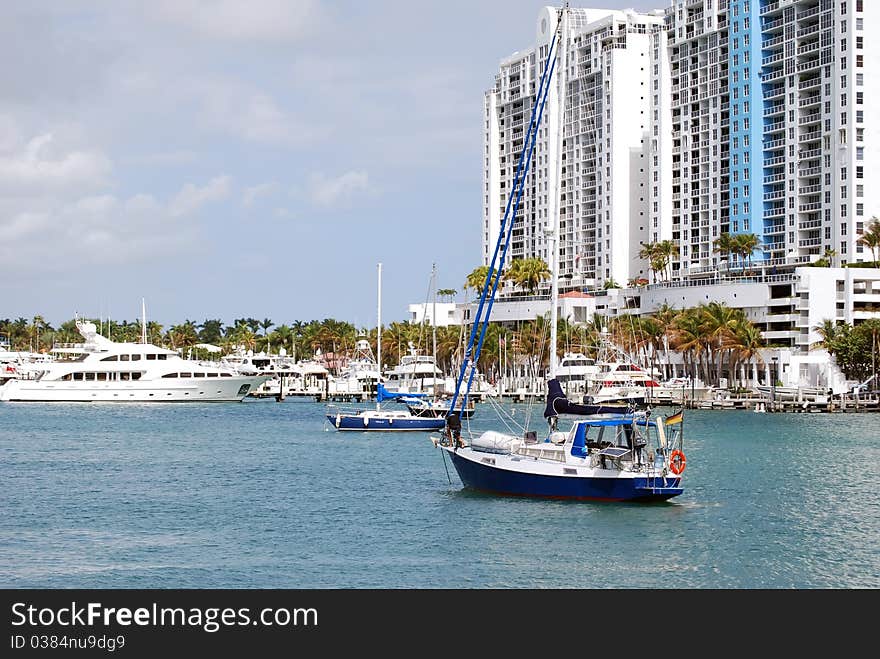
column 253, row 158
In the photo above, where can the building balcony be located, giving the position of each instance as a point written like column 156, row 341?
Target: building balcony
column 773, row 75
column 773, row 58
column 770, row 8
column 773, row 26
column 806, row 66
column 808, row 48
column 809, row 154
column 812, row 118
column 807, row 31
column 813, row 99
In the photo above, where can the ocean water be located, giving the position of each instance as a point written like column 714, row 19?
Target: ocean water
column 267, row 495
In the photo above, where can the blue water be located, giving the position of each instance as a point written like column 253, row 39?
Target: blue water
column 265, row 495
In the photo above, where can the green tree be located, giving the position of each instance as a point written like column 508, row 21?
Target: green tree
column 870, row 238
column 528, row 273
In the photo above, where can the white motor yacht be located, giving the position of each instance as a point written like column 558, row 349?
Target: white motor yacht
column 101, row 370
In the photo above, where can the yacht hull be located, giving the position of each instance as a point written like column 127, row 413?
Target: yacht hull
column 213, row 390
column 479, row 473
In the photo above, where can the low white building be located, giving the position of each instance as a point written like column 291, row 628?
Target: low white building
column 448, row 313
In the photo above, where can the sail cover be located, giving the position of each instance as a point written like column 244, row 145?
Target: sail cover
column 382, row 394
column 558, row 404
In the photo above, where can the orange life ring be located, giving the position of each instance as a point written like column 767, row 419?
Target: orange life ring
column 677, row 462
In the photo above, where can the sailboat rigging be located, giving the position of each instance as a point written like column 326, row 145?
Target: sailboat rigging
column 621, row 457
column 381, row 419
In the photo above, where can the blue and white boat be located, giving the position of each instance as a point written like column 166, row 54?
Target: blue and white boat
column 605, row 455
column 614, row 457
column 378, row 418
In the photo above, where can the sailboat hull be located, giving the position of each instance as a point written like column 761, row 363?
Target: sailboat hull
column 361, row 423
column 484, row 476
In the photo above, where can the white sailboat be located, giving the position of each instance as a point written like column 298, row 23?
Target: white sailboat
column 378, row 418
column 620, row 457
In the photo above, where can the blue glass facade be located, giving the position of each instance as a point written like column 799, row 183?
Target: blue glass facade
column 747, row 154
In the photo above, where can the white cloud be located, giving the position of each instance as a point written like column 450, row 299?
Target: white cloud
column 327, row 192
column 236, row 109
column 39, row 165
column 255, row 20
column 254, row 192
column 180, row 157
column 192, row 197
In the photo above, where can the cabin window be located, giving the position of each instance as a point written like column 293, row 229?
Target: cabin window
column 151, row 357
column 186, row 375
column 136, row 375
column 135, row 358
column 170, row 375
column 90, row 376
column 123, row 358
column 198, row 375
column 213, row 375
column 161, row 357
column 77, row 376
column 111, row 358
column 125, row 376
column 66, row 377
column 226, row 375
column 102, row 377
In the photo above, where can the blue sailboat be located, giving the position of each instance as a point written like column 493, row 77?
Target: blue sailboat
column 608, row 453
column 379, row 418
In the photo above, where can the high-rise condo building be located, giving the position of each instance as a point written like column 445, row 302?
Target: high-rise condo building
column 604, row 183
column 769, row 108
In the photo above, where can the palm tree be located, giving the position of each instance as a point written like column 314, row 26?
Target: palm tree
column 725, row 244
column 745, row 342
column 667, row 249
column 477, row 279
column 183, row 336
column 528, row 273
column 829, row 331
column 826, row 260
column 871, row 238
column 747, row 244
column 665, row 317
column 283, row 335
column 447, row 293
column 651, row 254
column 211, row 331
column 719, row 321
column 688, row 337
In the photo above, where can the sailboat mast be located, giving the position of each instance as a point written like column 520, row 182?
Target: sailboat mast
column 379, row 334
column 554, row 237
column 434, row 317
